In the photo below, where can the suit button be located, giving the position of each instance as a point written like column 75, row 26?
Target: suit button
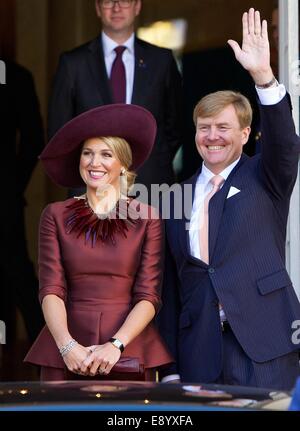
column 211, row 270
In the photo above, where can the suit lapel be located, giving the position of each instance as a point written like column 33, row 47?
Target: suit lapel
column 97, row 67
column 141, row 72
column 216, row 206
column 184, row 236
column 98, row 70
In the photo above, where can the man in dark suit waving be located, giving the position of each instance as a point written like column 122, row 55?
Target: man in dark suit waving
column 228, row 316
column 87, row 76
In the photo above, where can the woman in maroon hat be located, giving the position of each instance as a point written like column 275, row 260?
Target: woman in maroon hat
column 100, row 254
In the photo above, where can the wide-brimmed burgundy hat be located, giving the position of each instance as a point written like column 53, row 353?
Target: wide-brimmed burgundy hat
column 133, row 123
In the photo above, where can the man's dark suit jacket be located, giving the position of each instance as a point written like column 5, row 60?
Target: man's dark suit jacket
column 247, row 272
column 81, row 83
column 20, row 122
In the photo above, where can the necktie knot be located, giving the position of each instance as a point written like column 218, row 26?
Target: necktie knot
column 217, row 181
column 119, row 50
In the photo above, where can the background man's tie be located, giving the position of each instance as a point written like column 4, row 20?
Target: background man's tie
column 118, row 77
column 217, row 182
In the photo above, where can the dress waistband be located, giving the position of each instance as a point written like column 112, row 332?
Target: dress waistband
column 97, row 305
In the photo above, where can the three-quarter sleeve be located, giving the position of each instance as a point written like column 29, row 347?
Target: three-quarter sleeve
column 148, row 279
column 51, row 272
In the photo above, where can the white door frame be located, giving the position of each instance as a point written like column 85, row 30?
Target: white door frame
column 289, row 75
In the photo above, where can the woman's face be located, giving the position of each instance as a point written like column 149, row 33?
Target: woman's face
column 98, row 165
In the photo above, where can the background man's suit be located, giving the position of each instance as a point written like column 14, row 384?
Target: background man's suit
column 22, row 141
column 246, row 273
column 81, row 83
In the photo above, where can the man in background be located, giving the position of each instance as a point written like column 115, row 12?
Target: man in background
column 22, row 140
column 117, row 67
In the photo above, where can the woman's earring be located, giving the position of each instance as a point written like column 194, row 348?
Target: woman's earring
column 123, row 182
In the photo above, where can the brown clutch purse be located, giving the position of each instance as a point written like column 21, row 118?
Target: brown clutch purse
column 125, row 369
column 128, row 365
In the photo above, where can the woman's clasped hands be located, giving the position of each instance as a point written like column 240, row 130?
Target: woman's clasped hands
column 101, row 359
column 92, row 360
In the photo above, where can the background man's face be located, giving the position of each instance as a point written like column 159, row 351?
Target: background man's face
column 118, row 19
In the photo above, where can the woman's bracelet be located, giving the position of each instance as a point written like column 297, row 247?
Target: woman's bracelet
column 67, row 347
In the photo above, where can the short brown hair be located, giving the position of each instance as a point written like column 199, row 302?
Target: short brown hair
column 214, row 103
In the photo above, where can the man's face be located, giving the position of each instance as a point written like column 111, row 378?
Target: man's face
column 117, row 19
column 220, row 139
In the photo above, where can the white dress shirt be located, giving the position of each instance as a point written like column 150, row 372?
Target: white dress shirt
column 203, row 187
column 109, row 52
column 269, row 96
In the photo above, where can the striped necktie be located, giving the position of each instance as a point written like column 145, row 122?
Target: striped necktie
column 217, row 182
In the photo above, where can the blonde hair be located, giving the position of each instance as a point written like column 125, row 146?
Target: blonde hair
column 214, row 103
column 123, row 153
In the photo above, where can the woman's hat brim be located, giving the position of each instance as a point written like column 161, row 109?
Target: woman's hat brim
column 133, row 123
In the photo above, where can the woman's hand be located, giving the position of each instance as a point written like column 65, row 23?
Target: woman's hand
column 74, row 358
column 101, row 360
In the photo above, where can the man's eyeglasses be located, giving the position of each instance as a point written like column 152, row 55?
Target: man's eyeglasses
column 109, row 4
